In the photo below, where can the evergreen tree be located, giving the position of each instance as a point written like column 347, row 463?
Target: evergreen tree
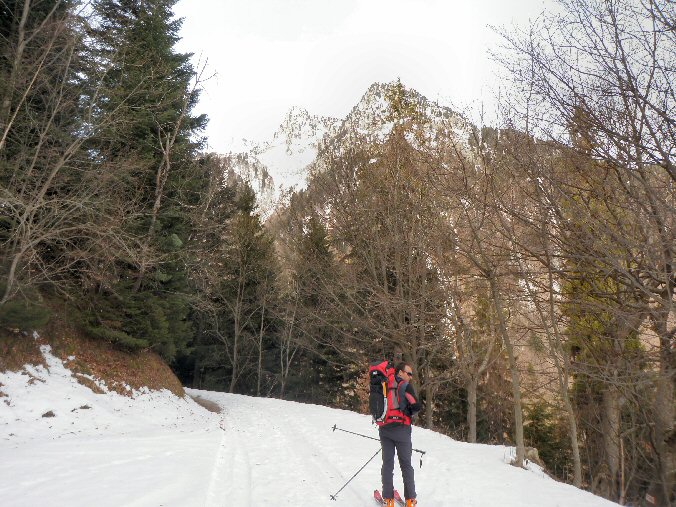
column 149, row 92
column 249, row 273
column 321, row 371
column 547, row 434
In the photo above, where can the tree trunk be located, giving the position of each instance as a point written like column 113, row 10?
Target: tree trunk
column 664, row 428
column 472, row 387
column 563, row 368
column 197, row 374
column 260, row 350
column 574, row 444
column 429, row 415
column 11, row 276
column 197, row 367
column 5, row 108
column 610, row 427
column 285, row 346
column 516, row 381
column 235, row 359
column 282, row 387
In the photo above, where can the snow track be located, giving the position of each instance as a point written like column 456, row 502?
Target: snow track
column 217, row 492
column 277, row 453
column 157, row 450
column 262, row 449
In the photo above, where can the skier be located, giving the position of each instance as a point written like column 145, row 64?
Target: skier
column 396, row 434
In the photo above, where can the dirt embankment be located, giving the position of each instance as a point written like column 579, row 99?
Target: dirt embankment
column 87, row 357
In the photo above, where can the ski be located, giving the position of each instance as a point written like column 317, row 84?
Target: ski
column 378, row 497
column 397, row 498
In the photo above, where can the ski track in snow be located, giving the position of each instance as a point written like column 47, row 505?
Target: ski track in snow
column 157, row 450
column 249, row 475
column 217, row 492
column 236, row 470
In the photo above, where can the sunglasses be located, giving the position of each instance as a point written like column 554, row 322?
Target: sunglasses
column 409, row 373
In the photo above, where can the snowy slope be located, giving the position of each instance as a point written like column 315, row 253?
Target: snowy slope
column 149, row 450
column 154, row 449
column 287, row 162
column 279, row 166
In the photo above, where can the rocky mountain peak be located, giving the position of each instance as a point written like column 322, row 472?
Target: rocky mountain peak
column 300, row 130
column 282, row 165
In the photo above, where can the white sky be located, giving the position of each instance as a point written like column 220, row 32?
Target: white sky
column 322, row 55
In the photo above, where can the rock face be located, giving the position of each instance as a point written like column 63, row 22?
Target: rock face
column 277, row 168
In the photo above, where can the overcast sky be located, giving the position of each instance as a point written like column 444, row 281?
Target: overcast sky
column 322, row 55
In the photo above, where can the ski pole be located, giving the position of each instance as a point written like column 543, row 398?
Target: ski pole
column 335, row 427
column 333, row 497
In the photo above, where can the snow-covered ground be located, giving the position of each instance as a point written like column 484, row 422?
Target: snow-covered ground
column 154, row 449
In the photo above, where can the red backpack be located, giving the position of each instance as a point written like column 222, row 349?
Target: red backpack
column 384, row 395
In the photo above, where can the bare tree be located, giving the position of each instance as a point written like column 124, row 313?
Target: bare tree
column 474, row 191
column 475, row 342
column 55, row 194
column 599, row 78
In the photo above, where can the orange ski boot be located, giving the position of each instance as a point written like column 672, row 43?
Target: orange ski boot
column 389, row 502
column 411, row 502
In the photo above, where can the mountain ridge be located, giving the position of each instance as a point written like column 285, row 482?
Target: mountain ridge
column 284, row 164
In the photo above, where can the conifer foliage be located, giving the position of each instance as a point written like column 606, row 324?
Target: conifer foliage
column 100, row 172
column 147, row 92
column 49, row 189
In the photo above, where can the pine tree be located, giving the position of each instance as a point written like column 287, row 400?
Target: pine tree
column 248, row 277
column 316, row 284
column 149, row 94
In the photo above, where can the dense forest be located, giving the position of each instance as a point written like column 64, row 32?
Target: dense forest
column 526, row 270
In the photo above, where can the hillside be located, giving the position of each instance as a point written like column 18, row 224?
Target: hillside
column 88, row 358
column 287, row 162
column 153, row 448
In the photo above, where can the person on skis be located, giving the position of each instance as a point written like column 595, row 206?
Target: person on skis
column 395, row 434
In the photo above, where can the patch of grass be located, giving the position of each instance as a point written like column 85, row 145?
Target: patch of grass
column 79, row 366
column 87, row 382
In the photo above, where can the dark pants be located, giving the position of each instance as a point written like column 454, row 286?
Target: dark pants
column 397, row 436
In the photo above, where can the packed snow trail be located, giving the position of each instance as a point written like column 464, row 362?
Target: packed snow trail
column 276, row 454
column 156, row 450
column 294, row 458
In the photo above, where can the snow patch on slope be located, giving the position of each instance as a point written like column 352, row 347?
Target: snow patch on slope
column 31, row 393
column 278, row 167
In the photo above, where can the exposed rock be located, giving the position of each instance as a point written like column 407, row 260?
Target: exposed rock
column 277, row 168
